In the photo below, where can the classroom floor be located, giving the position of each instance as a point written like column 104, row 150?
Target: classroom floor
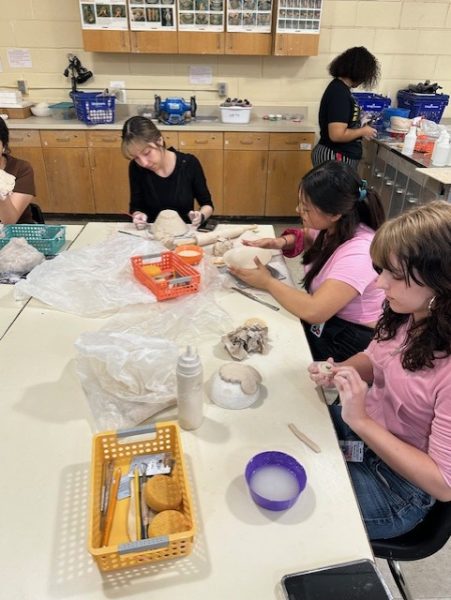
column 428, row 579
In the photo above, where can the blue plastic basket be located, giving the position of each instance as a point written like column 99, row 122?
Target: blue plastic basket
column 371, row 102
column 94, row 108
column 430, row 106
column 48, row 239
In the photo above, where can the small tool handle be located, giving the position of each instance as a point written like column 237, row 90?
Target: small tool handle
column 136, row 431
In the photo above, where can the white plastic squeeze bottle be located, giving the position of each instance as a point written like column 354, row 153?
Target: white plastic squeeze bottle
column 189, row 389
column 441, row 151
column 409, row 142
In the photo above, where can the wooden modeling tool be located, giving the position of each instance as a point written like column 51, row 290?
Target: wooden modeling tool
column 304, row 438
column 112, row 501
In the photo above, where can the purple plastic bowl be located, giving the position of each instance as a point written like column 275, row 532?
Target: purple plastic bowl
column 275, row 459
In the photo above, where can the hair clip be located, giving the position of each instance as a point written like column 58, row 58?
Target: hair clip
column 363, row 190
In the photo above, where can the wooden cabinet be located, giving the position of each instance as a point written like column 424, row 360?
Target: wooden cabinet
column 288, row 161
column 171, row 138
column 204, row 42
column 154, row 42
column 208, row 148
column 250, row 44
column 245, row 168
column 102, row 40
column 109, row 172
column 26, row 144
column 295, row 44
column 68, row 171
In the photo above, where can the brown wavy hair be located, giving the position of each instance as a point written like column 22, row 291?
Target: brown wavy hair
column 420, row 242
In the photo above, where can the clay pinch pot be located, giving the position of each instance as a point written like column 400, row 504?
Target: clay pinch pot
column 190, row 253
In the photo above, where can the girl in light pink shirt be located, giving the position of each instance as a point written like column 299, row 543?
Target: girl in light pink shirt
column 404, row 418
column 340, row 216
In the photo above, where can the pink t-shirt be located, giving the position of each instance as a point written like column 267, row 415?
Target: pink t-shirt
column 351, row 263
column 414, row 406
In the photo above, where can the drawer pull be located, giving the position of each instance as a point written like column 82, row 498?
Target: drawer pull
column 246, row 142
column 201, row 141
column 63, row 139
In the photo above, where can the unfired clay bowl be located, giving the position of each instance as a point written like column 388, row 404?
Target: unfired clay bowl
column 242, row 257
column 230, row 395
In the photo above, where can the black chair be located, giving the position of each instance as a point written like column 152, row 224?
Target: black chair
column 36, row 213
column 425, row 539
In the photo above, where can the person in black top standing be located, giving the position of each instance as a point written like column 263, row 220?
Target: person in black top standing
column 162, row 178
column 339, row 114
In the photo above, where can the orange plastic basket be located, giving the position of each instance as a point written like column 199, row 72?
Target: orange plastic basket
column 120, row 449
column 166, row 261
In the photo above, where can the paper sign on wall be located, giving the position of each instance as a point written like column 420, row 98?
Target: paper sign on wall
column 150, row 15
column 298, row 16
column 108, row 14
column 19, row 58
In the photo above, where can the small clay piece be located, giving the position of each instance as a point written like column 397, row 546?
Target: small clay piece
column 221, row 246
column 255, row 321
column 325, row 367
column 166, row 522
column 246, row 339
column 248, row 377
column 162, row 492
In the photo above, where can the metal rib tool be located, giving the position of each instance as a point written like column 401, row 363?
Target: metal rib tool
column 252, row 297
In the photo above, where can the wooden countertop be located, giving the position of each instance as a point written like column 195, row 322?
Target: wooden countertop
column 256, row 124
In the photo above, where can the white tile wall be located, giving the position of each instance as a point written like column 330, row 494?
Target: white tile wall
column 411, row 38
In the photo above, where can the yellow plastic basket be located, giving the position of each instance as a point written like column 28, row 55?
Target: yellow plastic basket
column 121, row 447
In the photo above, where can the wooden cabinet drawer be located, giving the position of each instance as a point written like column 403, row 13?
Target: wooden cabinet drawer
column 171, row 138
column 63, row 138
column 190, row 140
column 291, row 141
column 246, row 141
column 24, row 137
column 104, row 139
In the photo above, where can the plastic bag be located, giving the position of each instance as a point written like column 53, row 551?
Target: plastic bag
column 19, row 257
column 91, row 281
column 126, row 377
column 128, row 368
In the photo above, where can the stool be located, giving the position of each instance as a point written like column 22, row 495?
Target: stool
column 427, row 538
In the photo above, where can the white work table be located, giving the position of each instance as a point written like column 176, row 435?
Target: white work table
column 240, row 551
column 11, row 308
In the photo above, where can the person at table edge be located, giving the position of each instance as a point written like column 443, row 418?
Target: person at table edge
column 162, row 178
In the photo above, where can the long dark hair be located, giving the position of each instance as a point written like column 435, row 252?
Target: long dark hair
column 358, row 65
column 419, row 241
column 4, row 136
column 336, row 189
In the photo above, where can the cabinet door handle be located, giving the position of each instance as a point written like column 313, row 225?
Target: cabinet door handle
column 63, row 139
column 218, row 42
column 201, row 141
column 109, row 140
column 246, row 142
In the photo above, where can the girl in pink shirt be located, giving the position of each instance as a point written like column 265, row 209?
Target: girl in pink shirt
column 340, row 216
column 404, row 418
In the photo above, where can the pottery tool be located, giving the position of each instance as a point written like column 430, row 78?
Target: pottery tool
column 252, row 297
column 144, row 507
column 112, row 501
column 304, row 438
column 134, row 509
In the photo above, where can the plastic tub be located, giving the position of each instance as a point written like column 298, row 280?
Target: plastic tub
column 284, row 480
column 430, row 106
column 236, row 114
column 63, row 111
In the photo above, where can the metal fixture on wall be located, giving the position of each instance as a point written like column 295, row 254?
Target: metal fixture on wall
column 76, row 71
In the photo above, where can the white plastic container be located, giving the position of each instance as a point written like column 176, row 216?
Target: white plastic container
column 441, row 150
column 409, row 142
column 189, row 389
column 236, row 114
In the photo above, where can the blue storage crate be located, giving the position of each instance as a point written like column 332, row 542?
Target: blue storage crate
column 430, row 106
column 373, row 103
column 94, row 108
column 48, row 239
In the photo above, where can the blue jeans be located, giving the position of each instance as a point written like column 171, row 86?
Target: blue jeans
column 390, row 504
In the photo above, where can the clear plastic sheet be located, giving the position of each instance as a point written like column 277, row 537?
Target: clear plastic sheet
column 19, row 257
column 92, row 281
column 126, row 377
column 128, row 368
